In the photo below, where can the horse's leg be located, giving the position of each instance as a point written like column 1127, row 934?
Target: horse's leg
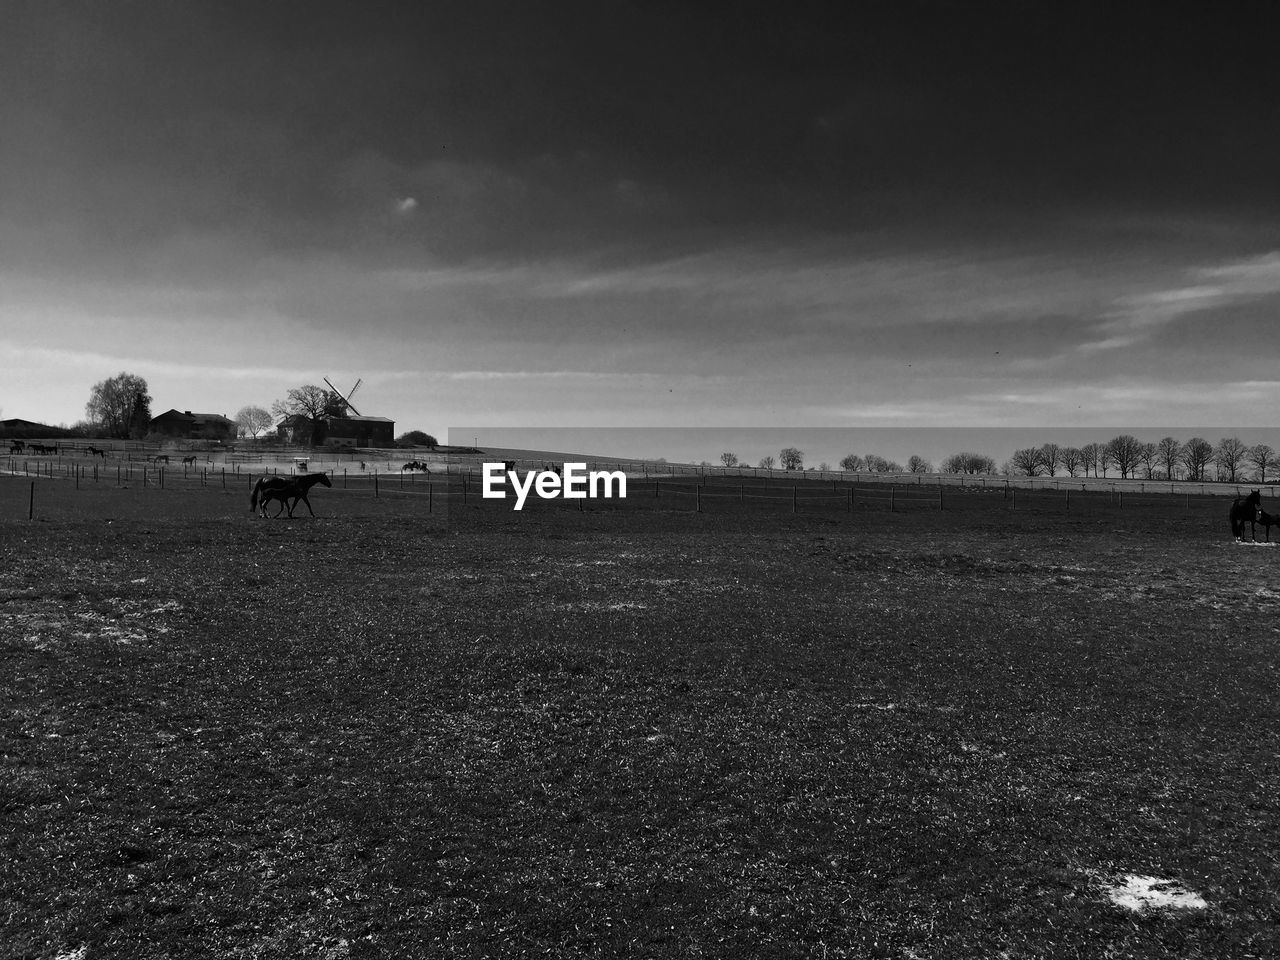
column 308, row 503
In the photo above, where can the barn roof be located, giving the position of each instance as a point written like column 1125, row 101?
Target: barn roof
column 193, row 417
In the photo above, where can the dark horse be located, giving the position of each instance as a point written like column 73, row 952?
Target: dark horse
column 1268, row 520
column 95, row 452
column 285, row 489
column 1246, row 510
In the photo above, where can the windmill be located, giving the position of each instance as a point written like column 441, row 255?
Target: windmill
column 346, row 397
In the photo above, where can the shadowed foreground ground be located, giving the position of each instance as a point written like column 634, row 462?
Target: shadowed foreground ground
column 646, row 735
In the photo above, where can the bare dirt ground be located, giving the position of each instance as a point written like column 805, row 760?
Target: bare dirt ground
column 631, row 732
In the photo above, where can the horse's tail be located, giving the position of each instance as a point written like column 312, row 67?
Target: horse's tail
column 253, row 495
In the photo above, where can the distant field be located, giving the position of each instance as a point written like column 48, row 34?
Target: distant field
column 417, row 728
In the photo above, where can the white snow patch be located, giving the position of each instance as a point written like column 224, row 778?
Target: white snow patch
column 1138, row 892
column 1256, row 543
column 79, row 953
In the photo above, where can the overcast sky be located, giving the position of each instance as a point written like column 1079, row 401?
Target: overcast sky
column 646, row 214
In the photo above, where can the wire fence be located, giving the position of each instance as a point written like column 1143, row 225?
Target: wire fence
column 439, row 490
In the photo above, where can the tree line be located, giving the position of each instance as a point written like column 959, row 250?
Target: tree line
column 790, row 458
column 1229, row 460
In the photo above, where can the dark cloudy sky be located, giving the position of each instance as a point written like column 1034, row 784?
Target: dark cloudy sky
column 650, row 213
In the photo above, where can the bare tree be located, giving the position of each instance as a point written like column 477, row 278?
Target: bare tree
column 824, row 466
column 1090, row 455
column 1196, row 455
column 1147, row 458
column 852, row 462
column 1123, row 452
column 1027, row 461
column 1051, row 457
column 791, row 458
column 729, row 459
column 766, row 463
column 1263, row 459
column 253, row 420
column 919, row 465
column 1169, row 455
column 971, row 463
column 120, row 406
column 876, row 463
column 1071, row 458
column 1230, row 455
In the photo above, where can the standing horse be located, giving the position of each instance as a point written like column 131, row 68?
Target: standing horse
column 285, row 489
column 95, row 452
column 1268, row 520
column 1246, row 509
column 16, row 446
column 191, row 460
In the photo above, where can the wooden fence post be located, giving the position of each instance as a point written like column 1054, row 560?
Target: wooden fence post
column 31, row 504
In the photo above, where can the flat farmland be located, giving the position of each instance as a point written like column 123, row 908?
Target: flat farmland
column 394, row 731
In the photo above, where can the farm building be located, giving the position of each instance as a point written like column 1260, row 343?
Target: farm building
column 337, row 431
column 21, row 429
column 360, row 432
column 186, row 425
column 296, row 428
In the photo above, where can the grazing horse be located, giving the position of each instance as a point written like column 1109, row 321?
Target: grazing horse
column 1268, row 520
column 186, row 460
column 95, row 452
column 285, row 489
column 160, row 456
column 1246, row 509
column 16, row 446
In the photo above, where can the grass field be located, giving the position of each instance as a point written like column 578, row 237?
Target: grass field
column 630, row 732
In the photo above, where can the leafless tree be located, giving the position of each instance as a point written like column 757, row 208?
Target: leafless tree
column 1070, row 457
column 970, row 463
column 1027, row 461
column 1196, row 455
column 878, row 464
column 852, row 462
column 1169, row 455
column 791, row 458
column 917, row 464
column 729, row 459
column 1263, row 459
column 1051, row 457
column 1230, row 455
column 253, row 420
column 1123, row 452
column 766, row 463
column 1147, row 458
column 1091, row 458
